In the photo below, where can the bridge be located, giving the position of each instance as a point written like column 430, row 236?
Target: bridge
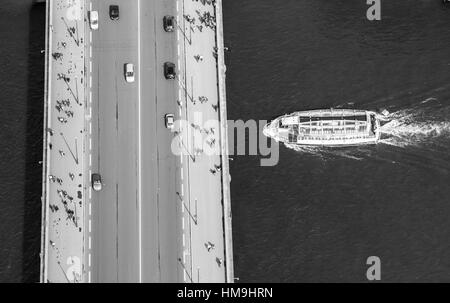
column 163, row 213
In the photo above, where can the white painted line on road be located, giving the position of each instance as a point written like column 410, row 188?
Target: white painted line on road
column 90, row 159
column 90, row 67
column 90, row 97
column 89, row 260
column 90, row 203
column 90, row 143
column 89, row 277
column 90, row 6
column 177, row 9
column 184, row 240
column 139, row 141
column 89, row 242
column 89, row 225
column 90, row 81
column 182, row 227
column 90, row 37
column 182, row 190
column 90, row 127
column 90, row 51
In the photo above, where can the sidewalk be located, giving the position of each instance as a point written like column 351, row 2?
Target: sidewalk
column 64, row 180
column 206, row 173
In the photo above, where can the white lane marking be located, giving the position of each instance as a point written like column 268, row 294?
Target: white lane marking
column 184, row 240
column 90, row 37
column 177, row 6
column 90, row 81
column 139, row 141
column 90, row 66
column 90, row 6
column 90, row 225
column 89, row 242
column 89, row 277
column 90, row 51
column 89, row 203
column 182, row 190
column 182, row 226
column 90, row 159
column 90, row 127
column 90, row 143
column 90, row 97
column 89, row 260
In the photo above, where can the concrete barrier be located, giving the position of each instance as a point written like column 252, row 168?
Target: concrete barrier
column 221, row 69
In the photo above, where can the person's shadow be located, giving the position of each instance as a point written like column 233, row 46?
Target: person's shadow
column 34, row 136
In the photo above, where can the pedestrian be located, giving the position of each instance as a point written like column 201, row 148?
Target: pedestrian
column 209, row 246
column 219, row 261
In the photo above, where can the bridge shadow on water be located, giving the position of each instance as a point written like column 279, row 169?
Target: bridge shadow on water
column 34, row 137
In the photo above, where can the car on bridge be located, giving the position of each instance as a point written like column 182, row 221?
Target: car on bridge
column 93, row 20
column 169, row 70
column 114, row 12
column 96, row 180
column 169, row 121
column 169, row 23
column 129, row 72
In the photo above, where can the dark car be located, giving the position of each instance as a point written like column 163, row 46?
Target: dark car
column 96, row 180
column 114, row 12
column 169, row 70
column 169, row 23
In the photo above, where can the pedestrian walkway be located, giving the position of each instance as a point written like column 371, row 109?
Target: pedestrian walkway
column 65, row 182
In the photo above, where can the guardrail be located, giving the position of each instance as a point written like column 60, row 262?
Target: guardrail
column 224, row 146
column 44, row 197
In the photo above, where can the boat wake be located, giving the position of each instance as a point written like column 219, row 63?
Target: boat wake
column 425, row 123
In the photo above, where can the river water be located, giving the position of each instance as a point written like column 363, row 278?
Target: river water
column 318, row 214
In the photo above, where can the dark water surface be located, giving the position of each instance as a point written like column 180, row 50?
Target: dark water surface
column 22, row 37
column 319, row 214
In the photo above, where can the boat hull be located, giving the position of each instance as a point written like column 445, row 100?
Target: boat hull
column 329, row 127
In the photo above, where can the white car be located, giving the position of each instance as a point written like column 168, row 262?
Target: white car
column 93, row 19
column 169, row 120
column 129, row 72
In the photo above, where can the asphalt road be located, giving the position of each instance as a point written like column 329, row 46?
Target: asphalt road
column 135, row 230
